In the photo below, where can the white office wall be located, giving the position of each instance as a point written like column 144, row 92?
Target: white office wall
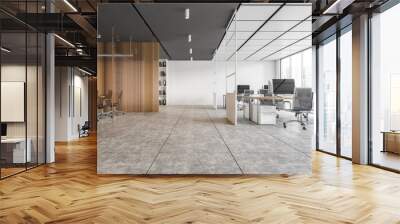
column 194, row 82
column 66, row 121
column 190, row 82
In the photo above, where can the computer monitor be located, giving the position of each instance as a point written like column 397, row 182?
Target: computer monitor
column 266, row 87
column 241, row 88
column 3, row 130
column 248, row 92
column 263, row 91
column 283, row 86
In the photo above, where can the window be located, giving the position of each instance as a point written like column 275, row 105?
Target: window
column 385, row 89
column 346, row 94
column 299, row 68
column 327, row 96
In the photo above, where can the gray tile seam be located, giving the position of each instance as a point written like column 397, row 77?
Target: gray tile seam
column 165, row 141
column 290, row 146
column 226, row 145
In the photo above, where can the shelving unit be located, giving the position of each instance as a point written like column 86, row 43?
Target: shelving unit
column 162, row 83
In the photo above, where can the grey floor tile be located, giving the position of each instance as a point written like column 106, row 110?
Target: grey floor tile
column 190, row 140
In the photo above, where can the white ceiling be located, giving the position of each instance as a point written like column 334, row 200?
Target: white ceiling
column 267, row 31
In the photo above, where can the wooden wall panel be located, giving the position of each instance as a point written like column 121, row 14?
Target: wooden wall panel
column 92, row 99
column 100, row 69
column 133, row 70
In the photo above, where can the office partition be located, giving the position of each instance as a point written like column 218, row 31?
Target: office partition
column 22, row 88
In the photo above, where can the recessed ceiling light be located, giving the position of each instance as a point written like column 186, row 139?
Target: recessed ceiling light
column 191, row 51
column 70, row 5
column 337, row 7
column 189, row 38
column 5, row 50
column 187, row 13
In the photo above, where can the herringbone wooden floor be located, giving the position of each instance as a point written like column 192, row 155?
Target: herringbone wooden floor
column 69, row 191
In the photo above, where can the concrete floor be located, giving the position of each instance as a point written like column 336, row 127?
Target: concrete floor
column 190, row 140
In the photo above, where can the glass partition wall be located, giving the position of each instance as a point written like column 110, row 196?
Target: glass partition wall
column 22, row 88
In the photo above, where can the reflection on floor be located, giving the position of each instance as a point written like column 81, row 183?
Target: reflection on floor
column 188, row 140
column 386, row 159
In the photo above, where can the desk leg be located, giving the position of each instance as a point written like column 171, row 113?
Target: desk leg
column 250, row 111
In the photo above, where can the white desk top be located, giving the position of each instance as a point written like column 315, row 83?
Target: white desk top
column 13, row 140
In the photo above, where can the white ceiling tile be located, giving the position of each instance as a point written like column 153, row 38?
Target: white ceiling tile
column 293, row 12
column 259, row 55
column 281, row 42
column 305, row 26
column 245, row 25
column 279, row 25
column 256, row 11
column 294, row 35
column 266, row 35
column 240, row 35
column 255, row 42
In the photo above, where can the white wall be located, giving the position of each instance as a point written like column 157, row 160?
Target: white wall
column 66, row 121
column 194, row 82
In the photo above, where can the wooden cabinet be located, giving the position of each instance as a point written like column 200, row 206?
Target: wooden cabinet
column 391, row 142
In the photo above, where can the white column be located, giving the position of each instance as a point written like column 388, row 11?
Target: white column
column 360, row 90
column 50, row 99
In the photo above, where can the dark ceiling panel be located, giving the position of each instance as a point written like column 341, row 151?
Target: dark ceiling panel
column 125, row 20
column 207, row 26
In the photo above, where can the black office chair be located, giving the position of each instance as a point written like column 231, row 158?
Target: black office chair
column 84, row 130
column 302, row 106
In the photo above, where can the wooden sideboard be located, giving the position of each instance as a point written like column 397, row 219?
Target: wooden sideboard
column 391, row 141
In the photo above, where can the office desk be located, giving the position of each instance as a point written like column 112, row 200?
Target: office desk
column 263, row 114
column 278, row 98
column 13, row 150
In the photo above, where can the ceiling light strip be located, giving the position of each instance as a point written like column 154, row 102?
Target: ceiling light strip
column 259, row 28
column 5, row 50
column 286, row 47
column 70, row 5
column 84, row 71
column 337, row 4
column 65, row 41
column 277, row 37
